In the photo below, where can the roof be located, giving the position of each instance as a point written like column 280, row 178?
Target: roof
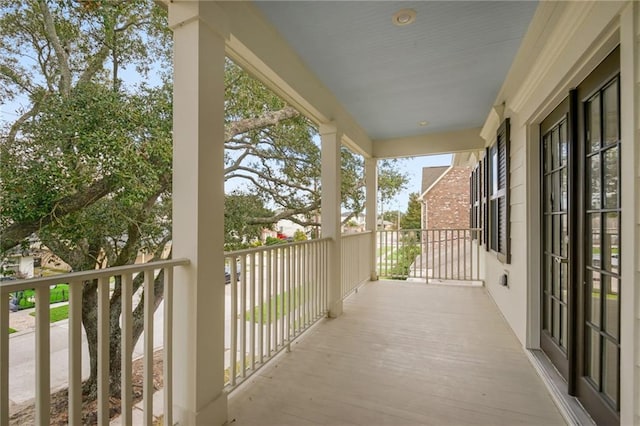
column 430, row 175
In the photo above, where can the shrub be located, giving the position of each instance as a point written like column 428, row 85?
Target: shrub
column 299, row 235
column 270, row 241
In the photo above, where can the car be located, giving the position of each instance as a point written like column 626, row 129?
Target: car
column 13, row 304
column 227, row 277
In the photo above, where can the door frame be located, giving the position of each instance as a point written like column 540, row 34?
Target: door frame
column 577, row 385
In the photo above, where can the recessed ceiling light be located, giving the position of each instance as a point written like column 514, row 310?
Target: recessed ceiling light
column 404, row 17
column 423, row 123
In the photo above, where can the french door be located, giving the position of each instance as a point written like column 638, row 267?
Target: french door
column 557, row 145
column 581, row 284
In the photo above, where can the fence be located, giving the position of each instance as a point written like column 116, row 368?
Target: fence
column 275, row 293
column 356, row 261
column 429, row 254
column 105, row 278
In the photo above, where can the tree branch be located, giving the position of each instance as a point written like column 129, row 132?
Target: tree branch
column 15, row 127
column 285, row 214
column 14, row 233
column 268, row 119
column 61, row 54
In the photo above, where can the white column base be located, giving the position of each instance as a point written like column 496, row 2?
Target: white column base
column 215, row 413
column 335, row 310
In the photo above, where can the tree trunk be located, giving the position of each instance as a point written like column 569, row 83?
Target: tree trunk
column 90, row 322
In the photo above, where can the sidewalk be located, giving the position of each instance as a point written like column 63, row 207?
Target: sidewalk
column 22, row 320
column 22, row 354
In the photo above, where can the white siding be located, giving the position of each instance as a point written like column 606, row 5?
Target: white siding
column 512, row 300
column 570, row 40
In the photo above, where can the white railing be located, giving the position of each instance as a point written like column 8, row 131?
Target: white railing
column 430, row 254
column 274, row 294
column 42, row 333
column 356, row 261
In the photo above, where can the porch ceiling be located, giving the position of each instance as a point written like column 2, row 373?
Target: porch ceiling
column 446, row 68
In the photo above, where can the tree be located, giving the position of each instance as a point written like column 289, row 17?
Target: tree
column 392, row 216
column 299, row 235
column 413, row 218
column 86, row 165
column 239, row 209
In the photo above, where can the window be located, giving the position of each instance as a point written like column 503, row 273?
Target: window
column 474, row 199
column 477, row 201
column 498, row 170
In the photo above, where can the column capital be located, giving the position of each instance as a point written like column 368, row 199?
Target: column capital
column 183, row 13
column 327, row 129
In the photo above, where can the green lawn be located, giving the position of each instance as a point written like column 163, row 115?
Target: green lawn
column 26, row 298
column 56, row 314
column 279, row 308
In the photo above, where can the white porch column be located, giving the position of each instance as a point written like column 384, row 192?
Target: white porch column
column 198, row 197
column 371, row 207
column 330, row 210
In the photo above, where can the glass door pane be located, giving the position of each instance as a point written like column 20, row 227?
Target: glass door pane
column 602, row 251
column 555, row 234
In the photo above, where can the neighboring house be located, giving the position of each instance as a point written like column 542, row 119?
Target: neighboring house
column 19, row 266
column 355, row 224
column 287, row 228
column 445, row 197
column 385, row 225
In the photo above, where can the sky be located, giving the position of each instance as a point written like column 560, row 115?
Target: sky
column 413, row 167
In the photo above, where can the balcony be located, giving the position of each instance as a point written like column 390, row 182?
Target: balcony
column 402, row 352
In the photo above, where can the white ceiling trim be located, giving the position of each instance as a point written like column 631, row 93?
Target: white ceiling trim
column 429, row 144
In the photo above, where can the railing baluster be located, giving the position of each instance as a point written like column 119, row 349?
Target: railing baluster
column 75, row 352
column 252, row 313
column 325, row 278
column 167, row 362
column 449, row 252
column 261, row 288
column 4, row 358
column 433, row 254
column 269, row 283
column 233, row 321
column 127, row 349
column 243, row 313
column 316, row 273
column 299, row 286
column 307, row 287
column 464, row 259
column 43, row 357
column 147, row 387
column 103, row 351
column 471, row 243
column 289, row 291
column 466, row 247
column 477, row 268
column 281, row 275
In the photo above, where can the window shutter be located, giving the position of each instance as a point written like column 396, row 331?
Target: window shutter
column 503, row 207
column 484, row 198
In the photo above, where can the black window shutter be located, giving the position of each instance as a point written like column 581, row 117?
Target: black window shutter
column 484, row 198
column 503, row 207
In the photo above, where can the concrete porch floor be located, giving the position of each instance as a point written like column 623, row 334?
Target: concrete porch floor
column 402, row 354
